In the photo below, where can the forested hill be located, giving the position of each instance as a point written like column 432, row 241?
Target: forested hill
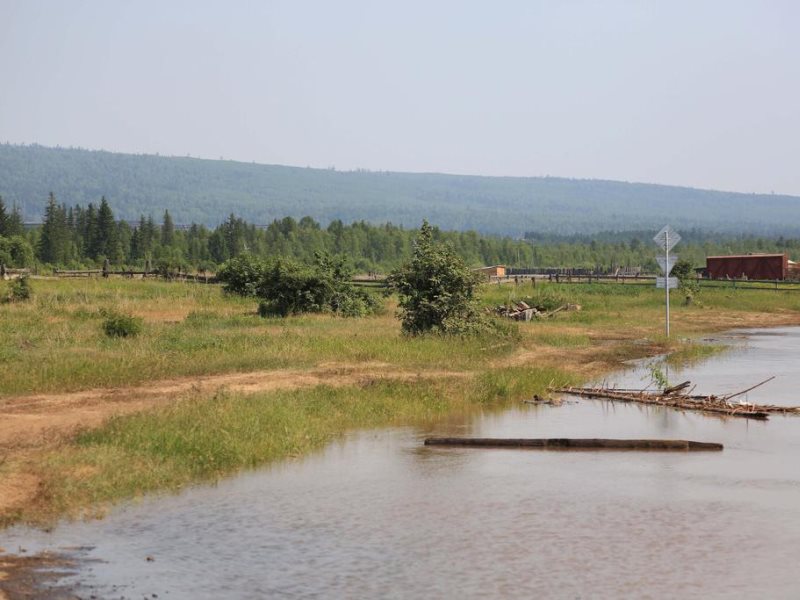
column 205, row 191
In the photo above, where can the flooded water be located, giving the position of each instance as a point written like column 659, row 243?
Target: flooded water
column 378, row 515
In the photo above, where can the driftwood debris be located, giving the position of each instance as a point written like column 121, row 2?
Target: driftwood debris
column 575, row 444
column 674, row 398
column 538, row 400
column 522, row 311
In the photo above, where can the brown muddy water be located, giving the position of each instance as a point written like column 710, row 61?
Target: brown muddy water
column 377, row 515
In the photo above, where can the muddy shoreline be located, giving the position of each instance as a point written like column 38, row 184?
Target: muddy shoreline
column 37, row 576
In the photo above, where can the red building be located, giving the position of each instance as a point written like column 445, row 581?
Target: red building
column 750, row 266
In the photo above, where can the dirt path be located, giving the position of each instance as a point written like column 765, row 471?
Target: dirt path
column 35, row 421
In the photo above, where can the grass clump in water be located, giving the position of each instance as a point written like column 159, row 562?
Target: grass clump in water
column 689, row 353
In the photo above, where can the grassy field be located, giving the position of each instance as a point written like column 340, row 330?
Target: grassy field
column 55, row 344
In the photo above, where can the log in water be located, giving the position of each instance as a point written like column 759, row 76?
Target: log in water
column 575, row 444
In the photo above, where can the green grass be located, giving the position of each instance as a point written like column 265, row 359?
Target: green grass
column 202, row 438
column 56, row 343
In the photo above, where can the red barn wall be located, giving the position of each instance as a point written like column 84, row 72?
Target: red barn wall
column 751, row 266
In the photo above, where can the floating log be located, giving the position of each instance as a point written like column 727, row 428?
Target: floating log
column 575, row 444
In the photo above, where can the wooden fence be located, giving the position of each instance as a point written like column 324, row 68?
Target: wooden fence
column 650, row 280
column 131, row 274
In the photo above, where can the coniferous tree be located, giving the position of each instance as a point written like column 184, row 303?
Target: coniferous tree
column 53, row 244
column 105, row 240
column 4, row 218
column 150, row 234
column 89, row 231
column 10, row 222
column 167, row 230
column 14, row 225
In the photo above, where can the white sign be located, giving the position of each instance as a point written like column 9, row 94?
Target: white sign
column 667, row 238
column 672, row 282
column 666, row 264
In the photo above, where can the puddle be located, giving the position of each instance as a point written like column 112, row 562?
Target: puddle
column 379, row 515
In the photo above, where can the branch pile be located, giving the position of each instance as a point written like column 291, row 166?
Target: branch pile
column 681, row 397
column 522, row 311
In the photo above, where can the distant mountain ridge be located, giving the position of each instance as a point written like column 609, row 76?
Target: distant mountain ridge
column 206, row 191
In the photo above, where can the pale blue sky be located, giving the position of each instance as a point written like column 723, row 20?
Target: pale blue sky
column 700, row 93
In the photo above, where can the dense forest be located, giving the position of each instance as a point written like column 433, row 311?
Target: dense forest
column 199, row 191
column 86, row 236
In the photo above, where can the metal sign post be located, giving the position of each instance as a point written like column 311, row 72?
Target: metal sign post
column 666, row 240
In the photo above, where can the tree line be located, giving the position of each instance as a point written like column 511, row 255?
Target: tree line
column 86, row 236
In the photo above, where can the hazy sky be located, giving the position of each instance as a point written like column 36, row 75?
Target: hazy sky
column 700, row 93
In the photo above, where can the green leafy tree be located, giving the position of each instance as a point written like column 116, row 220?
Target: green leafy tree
column 687, row 278
column 437, row 290
column 16, row 251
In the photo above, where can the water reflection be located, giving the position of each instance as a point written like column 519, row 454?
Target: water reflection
column 380, row 515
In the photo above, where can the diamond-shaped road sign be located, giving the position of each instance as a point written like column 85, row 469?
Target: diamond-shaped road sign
column 662, row 282
column 667, row 238
column 666, row 267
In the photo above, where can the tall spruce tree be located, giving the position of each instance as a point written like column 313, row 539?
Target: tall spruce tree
column 54, row 244
column 167, row 230
column 105, row 241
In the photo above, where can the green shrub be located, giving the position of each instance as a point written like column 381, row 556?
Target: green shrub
column 286, row 287
column 20, row 290
column 437, row 291
column 242, row 275
column 121, row 325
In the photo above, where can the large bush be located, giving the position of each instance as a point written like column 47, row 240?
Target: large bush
column 437, row 290
column 19, row 290
column 287, row 287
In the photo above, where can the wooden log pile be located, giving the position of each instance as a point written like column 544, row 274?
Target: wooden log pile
column 681, row 397
column 522, row 311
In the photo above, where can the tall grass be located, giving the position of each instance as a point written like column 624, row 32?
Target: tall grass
column 204, row 438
